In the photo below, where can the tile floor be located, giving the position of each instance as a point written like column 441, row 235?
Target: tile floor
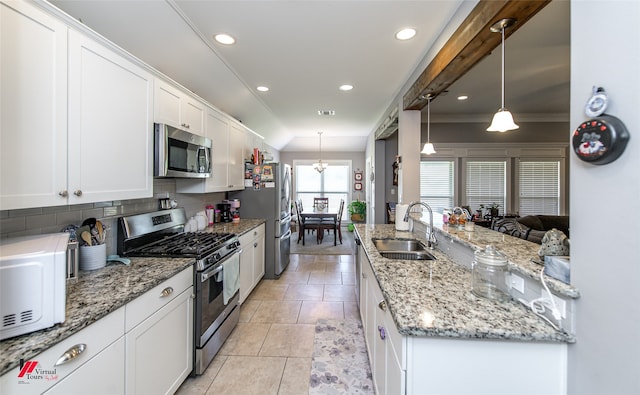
column 269, row 351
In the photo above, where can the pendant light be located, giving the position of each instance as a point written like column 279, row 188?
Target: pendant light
column 502, row 120
column 319, row 166
column 428, row 147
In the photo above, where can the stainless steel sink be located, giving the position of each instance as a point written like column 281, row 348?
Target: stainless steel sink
column 402, row 249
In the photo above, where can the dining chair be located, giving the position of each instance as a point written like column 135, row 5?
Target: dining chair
column 309, row 224
column 320, row 203
column 332, row 224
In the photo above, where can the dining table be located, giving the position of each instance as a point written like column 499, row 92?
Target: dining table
column 325, row 215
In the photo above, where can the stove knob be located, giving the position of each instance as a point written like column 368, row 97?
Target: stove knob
column 216, row 256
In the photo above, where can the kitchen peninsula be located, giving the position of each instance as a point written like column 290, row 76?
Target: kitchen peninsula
column 424, row 326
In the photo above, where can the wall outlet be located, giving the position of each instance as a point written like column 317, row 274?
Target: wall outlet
column 560, row 304
column 517, row 283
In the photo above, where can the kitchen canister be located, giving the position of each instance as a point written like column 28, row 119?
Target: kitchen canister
column 490, row 274
column 401, row 210
column 93, row 257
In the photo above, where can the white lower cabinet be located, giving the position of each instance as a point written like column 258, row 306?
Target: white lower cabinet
column 159, row 339
column 448, row 366
column 103, row 374
column 144, row 347
column 380, row 333
column 94, row 348
column 160, row 349
column 251, row 260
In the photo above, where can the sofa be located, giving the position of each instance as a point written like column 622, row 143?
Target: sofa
column 531, row 227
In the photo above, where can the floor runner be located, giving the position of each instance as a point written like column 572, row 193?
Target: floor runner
column 340, row 364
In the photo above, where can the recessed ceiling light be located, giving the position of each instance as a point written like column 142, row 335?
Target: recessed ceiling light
column 406, row 34
column 223, row 38
column 463, row 97
column 326, row 112
column 345, row 87
column 263, row 89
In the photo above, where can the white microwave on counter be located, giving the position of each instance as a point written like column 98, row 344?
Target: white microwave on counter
column 32, row 283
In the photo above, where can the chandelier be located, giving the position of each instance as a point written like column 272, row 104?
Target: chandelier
column 320, row 166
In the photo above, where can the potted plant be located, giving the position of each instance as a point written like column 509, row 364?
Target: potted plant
column 493, row 209
column 357, row 210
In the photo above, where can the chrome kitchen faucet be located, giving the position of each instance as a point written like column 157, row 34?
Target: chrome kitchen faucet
column 431, row 237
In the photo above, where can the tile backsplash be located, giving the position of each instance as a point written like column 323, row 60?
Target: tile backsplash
column 41, row 220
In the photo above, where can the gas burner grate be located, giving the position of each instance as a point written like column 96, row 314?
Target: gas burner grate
column 186, row 244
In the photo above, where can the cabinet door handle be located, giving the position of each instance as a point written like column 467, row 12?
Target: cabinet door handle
column 383, row 333
column 71, row 354
column 185, row 125
column 166, row 292
column 382, row 305
column 77, row 192
column 64, row 193
column 255, row 245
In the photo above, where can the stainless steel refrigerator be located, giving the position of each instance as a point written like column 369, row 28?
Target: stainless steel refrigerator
column 267, row 195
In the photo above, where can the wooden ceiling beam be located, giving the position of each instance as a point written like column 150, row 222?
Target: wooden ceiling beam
column 470, row 43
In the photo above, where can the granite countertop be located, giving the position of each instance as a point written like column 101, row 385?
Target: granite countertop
column 433, row 298
column 240, row 228
column 100, row 292
column 522, row 254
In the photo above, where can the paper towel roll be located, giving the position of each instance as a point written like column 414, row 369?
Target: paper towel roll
column 401, row 210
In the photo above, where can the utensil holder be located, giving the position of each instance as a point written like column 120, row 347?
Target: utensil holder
column 93, row 257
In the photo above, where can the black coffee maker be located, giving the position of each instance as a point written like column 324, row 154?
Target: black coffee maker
column 225, row 212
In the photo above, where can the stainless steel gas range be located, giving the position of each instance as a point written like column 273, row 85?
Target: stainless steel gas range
column 216, row 272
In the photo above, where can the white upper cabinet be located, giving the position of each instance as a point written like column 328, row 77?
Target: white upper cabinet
column 177, row 108
column 218, row 132
column 227, row 164
column 251, row 141
column 236, row 158
column 33, row 108
column 64, row 108
column 110, row 139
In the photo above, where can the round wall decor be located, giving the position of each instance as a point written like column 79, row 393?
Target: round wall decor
column 600, row 140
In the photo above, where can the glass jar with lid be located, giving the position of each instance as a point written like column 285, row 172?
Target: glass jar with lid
column 490, row 274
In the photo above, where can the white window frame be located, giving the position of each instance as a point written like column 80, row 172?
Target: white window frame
column 334, row 162
column 511, row 152
column 562, row 209
column 454, row 181
column 503, row 209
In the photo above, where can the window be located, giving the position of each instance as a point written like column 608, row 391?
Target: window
column 486, row 183
column 539, row 183
column 437, row 184
column 334, row 183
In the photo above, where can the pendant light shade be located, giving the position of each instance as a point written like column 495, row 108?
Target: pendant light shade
column 320, row 166
column 428, row 148
column 502, row 120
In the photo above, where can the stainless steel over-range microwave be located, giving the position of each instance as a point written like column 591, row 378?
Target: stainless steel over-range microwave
column 181, row 154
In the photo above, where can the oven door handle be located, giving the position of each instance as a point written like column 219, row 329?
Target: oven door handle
column 206, row 275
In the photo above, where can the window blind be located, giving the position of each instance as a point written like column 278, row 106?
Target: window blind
column 486, row 184
column 436, row 184
column 539, row 187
